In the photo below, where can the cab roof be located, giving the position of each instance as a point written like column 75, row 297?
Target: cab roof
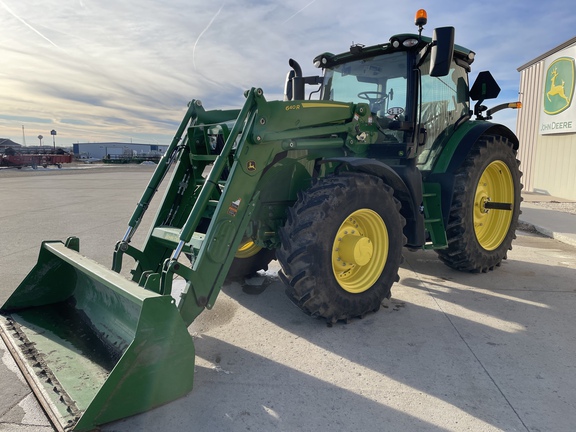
column 399, row 42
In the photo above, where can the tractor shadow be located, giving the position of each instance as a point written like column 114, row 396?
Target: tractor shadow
column 239, row 390
column 456, row 337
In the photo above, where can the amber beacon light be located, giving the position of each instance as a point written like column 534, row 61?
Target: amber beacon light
column 421, row 18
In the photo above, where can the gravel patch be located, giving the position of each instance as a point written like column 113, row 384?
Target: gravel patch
column 566, row 207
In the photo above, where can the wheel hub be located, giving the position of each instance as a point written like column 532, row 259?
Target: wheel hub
column 356, row 250
column 360, row 250
column 482, row 204
column 493, row 203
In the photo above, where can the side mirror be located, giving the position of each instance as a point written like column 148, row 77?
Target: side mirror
column 442, row 51
column 484, row 87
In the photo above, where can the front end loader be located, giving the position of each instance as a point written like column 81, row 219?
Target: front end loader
column 386, row 158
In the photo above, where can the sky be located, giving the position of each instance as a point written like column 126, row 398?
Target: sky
column 124, row 71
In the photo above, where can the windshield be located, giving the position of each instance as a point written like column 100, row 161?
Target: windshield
column 379, row 81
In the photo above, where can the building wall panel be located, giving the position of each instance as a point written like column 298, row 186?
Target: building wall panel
column 531, row 87
column 547, row 161
column 554, row 172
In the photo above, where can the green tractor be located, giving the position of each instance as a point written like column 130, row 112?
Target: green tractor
column 385, row 156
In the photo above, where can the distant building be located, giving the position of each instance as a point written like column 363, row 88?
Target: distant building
column 7, row 143
column 115, row 149
column 546, row 123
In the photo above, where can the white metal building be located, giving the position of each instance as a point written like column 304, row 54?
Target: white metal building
column 546, row 124
column 101, row 150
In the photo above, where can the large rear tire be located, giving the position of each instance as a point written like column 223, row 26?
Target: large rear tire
column 485, row 207
column 342, row 246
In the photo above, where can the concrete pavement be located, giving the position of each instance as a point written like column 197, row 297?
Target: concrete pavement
column 450, row 352
column 550, row 216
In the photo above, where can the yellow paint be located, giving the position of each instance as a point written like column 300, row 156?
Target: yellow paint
column 360, row 251
column 491, row 226
column 323, row 105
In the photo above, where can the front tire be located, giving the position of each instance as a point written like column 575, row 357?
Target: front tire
column 485, row 207
column 342, row 246
column 249, row 259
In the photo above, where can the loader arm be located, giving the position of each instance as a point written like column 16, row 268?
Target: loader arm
column 214, row 208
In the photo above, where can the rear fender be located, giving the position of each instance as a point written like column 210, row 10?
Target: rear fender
column 460, row 143
column 455, row 152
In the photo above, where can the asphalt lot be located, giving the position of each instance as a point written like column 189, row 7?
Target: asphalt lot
column 450, row 352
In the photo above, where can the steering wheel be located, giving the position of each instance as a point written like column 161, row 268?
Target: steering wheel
column 378, row 96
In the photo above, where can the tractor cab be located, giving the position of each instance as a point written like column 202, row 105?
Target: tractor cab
column 416, row 88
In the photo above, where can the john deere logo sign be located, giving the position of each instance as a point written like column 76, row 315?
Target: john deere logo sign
column 560, row 86
column 558, row 111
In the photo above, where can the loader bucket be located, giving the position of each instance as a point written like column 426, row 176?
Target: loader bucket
column 94, row 346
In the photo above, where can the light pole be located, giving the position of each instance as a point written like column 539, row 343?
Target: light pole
column 53, row 133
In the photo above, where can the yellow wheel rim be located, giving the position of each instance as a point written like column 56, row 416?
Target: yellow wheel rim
column 247, row 249
column 496, row 185
column 360, row 250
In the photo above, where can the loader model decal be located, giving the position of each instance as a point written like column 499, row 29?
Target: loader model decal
column 233, row 207
column 559, row 86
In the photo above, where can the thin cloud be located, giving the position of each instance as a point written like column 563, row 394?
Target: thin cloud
column 142, row 61
column 29, row 26
column 201, row 34
column 292, row 16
